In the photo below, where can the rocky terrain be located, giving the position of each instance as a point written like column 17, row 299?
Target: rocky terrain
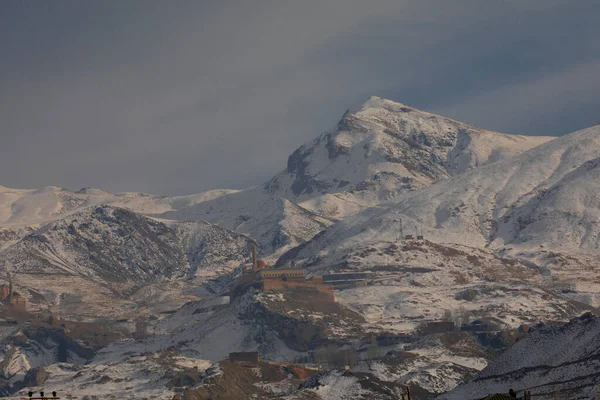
column 383, row 150
column 555, row 359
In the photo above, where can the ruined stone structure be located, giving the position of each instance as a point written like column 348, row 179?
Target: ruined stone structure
column 11, row 299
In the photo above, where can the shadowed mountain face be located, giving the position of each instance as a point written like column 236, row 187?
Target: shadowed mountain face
column 383, row 150
column 103, row 243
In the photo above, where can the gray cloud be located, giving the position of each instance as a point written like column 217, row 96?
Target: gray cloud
column 186, row 96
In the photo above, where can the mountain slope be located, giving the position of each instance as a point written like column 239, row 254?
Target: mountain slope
column 384, row 149
column 211, row 251
column 275, row 223
column 543, row 197
column 26, row 207
column 100, row 243
column 544, row 364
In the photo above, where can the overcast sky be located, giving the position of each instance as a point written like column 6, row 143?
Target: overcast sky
column 175, row 97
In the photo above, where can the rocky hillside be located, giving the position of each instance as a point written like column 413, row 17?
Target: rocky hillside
column 554, row 358
column 100, row 243
column 104, row 260
column 539, row 201
column 211, row 251
column 385, row 149
column 275, row 223
column 417, row 281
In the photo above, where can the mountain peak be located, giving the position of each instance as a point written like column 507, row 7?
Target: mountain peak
column 376, row 102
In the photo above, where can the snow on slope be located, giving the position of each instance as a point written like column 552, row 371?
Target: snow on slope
column 212, row 251
column 119, row 375
column 385, row 149
column 375, row 154
column 104, row 260
column 416, row 281
column 562, row 358
column 22, row 207
column 100, row 243
column 543, row 197
column 275, row 223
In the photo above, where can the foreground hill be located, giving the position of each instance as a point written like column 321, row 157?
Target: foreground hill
column 559, row 358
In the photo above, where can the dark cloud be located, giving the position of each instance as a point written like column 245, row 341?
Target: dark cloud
column 184, row 96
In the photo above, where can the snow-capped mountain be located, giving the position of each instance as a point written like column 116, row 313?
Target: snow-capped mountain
column 554, row 358
column 385, row 149
column 27, row 207
column 543, row 199
column 373, row 155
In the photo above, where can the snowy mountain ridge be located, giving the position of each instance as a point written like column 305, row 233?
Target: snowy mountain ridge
column 543, row 197
column 27, row 207
column 383, row 150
